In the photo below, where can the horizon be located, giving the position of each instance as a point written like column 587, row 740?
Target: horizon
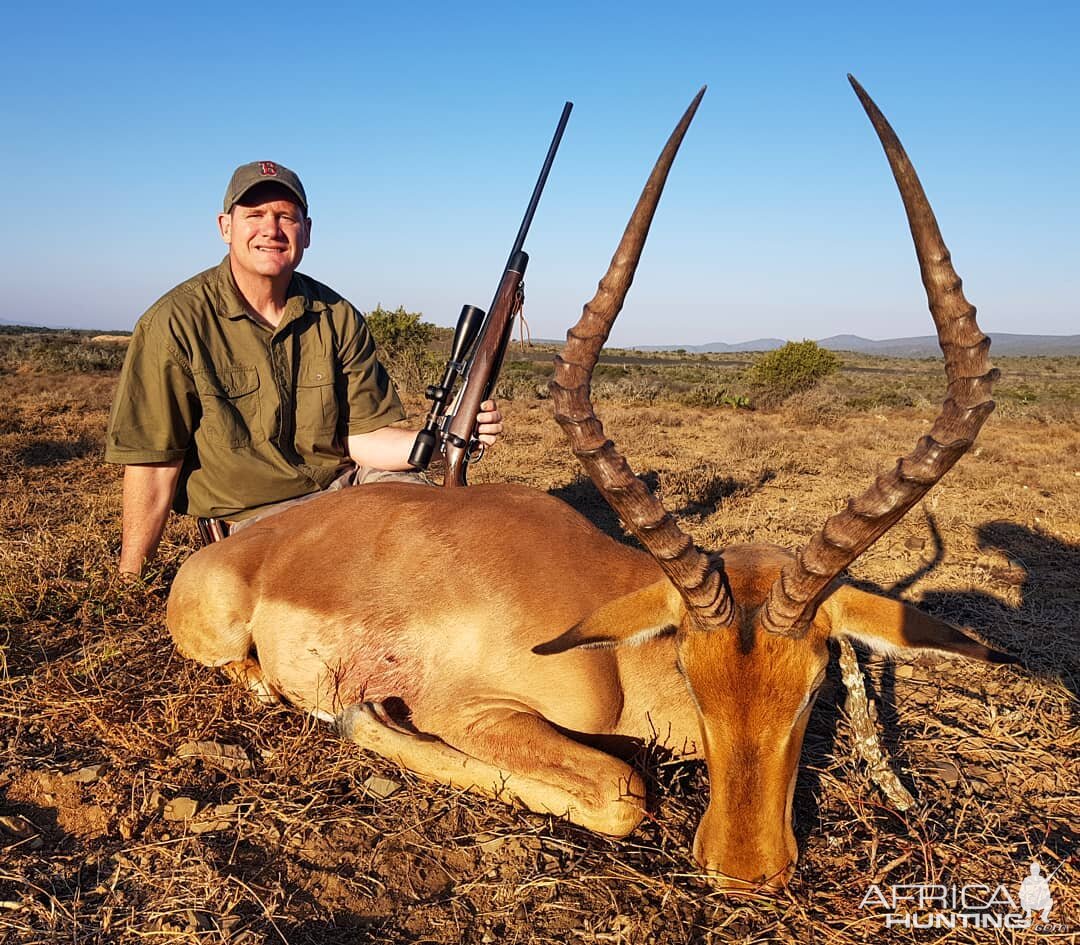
column 665, row 346
column 780, row 218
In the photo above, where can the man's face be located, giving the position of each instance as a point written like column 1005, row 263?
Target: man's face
column 267, row 232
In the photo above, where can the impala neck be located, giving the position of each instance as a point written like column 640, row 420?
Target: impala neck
column 657, row 703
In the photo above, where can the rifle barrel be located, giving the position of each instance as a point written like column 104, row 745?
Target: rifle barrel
column 519, row 242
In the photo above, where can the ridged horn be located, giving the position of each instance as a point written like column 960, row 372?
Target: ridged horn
column 802, row 584
column 702, row 586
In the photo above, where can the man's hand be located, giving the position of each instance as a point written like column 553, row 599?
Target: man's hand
column 389, row 447
column 488, row 423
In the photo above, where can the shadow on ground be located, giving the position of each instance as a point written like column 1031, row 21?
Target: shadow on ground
column 39, row 453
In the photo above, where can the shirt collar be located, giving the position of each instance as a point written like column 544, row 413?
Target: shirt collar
column 231, row 305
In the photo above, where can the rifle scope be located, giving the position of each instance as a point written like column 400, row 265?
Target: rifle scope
column 468, row 328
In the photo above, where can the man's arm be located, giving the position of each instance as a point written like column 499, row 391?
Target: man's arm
column 148, row 494
column 389, row 447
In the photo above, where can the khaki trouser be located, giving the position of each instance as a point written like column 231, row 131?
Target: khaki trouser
column 211, row 529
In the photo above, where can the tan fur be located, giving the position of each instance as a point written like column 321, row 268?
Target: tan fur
column 455, row 631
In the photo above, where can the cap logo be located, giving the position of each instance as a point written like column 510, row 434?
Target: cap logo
column 268, row 168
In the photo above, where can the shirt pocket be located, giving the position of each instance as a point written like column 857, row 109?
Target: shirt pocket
column 230, row 405
column 316, row 404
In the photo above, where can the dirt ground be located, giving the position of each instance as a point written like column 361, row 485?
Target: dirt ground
column 145, row 799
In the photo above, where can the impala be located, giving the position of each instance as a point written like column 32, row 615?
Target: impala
column 544, row 637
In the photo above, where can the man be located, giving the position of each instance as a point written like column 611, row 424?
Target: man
column 250, row 386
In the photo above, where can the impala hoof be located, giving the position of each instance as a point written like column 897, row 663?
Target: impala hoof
column 366, row 715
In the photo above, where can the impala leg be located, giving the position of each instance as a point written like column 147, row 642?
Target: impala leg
column 515, row 757
column 250, row 675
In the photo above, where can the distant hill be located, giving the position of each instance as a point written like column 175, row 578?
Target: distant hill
column 718, row 347
column 10, row 324
column 923, row 346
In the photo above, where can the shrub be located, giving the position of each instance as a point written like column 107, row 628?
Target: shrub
column 816, row 408
column 711, row 394
column 404, row 343
column 631, row 389
column 73, row 356
column 797, row 366
column 523, row 379
column 706, row 484
column 513, row 385
column 398, row 329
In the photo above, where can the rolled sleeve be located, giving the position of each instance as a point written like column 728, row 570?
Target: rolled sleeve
column 371, row 402
column 156, row 407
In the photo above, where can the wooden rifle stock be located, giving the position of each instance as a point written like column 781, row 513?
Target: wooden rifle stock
column 484, row 371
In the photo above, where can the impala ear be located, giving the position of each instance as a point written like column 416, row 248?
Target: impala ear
column 634, row 618
column 891, row 626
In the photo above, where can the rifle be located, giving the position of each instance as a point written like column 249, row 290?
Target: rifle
column 476, row 354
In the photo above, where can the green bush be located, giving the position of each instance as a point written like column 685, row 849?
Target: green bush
column 797, row 366
column 398, row 329
column 404, row 344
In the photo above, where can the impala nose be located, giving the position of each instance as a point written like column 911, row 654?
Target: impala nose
column 767, row 884
column 745, row 867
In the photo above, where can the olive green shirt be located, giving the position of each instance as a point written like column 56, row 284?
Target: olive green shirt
column 258, row 415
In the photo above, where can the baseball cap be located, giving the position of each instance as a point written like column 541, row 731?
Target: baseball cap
column 247, row 176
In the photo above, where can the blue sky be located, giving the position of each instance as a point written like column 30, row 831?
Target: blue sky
column 419, row 128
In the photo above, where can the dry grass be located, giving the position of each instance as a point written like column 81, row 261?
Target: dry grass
column 296, row 849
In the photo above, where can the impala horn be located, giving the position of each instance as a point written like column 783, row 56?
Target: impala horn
column 804, row 582
column 702, row 585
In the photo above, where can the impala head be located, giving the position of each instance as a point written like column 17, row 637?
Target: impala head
column 751, row 623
